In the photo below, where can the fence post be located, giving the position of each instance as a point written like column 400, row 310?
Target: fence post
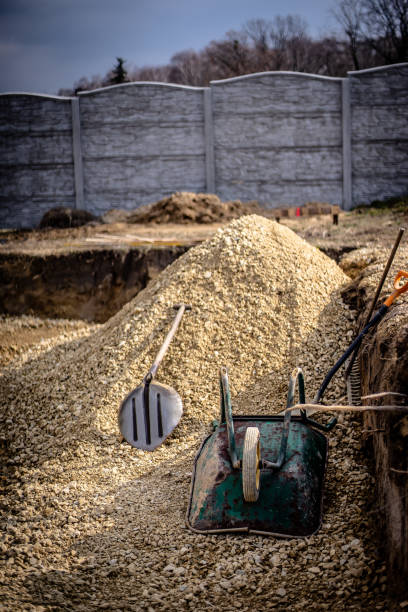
column 209, row 141
column 346, row 124
column 77, row 154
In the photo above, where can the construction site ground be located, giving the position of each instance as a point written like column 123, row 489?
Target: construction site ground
column 99, row 525
column 354, row 230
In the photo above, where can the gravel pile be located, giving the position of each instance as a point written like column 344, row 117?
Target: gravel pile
column 95, row 524
column 32, row 332
column 252, row 310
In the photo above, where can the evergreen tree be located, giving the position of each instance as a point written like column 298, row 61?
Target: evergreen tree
column 119, row 73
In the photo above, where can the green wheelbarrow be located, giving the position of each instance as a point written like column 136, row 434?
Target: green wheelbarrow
column 265, row 474
column 260, row 474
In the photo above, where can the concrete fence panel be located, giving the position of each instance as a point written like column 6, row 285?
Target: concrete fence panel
column 379, row 132
column 278, row 138
column 141, row 142
column 36, row 157
column 281, row 138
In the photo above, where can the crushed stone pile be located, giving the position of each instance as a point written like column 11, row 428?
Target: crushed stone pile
column 185, row 207
column 96, row 524
column 32, row 332
column 257, row 293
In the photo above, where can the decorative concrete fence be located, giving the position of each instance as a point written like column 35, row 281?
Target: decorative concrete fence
column 281, row 138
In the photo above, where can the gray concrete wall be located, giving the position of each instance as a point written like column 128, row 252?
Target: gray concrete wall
column 141, row 142
column 36, row 161
column 379, row 132
column 280, row 138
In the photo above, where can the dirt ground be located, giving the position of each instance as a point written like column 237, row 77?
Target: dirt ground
column 354, row 230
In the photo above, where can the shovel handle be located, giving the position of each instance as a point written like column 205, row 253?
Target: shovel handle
column 398, row 290
column 152, row 372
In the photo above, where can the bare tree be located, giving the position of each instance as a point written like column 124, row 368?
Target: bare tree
column 258, row 31
column 289, row 38
column 259, row 35
column 349, row 15
column 386, row 28
column 150, row 73
column 230, row 57
column 380, row 26
column 374, row 32
column 189, row 68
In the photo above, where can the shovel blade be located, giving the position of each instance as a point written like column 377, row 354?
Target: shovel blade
column 145, row 422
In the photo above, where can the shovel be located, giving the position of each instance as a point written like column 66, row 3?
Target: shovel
column 148, row 415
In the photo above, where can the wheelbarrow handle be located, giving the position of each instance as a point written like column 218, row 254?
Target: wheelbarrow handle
column 152, row 372
column 296, row 380
column 226, row 415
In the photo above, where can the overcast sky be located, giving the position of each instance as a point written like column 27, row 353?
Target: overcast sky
column 49, row 44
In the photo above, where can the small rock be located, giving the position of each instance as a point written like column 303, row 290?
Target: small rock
column 276, row 560
column 132, row 569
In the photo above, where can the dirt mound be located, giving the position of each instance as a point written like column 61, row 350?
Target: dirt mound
column 61, row 217
column 185, row 207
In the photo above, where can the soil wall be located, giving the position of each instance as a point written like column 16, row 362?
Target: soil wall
column 88, row 285
column 384, row 367
column 383, row 360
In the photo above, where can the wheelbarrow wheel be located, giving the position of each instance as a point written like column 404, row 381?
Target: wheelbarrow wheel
column 251, row 472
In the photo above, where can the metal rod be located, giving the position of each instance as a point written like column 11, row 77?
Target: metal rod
column 384, row 275
column 342, row 408
column 377, row 293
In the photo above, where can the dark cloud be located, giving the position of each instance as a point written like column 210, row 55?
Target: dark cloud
column 49, row 44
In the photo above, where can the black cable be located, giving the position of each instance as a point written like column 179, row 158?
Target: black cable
column 356, row 343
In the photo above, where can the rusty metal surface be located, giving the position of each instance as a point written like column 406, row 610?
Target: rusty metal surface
column 290, row 499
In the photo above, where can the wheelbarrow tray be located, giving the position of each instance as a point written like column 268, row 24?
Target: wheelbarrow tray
column 290, row 499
